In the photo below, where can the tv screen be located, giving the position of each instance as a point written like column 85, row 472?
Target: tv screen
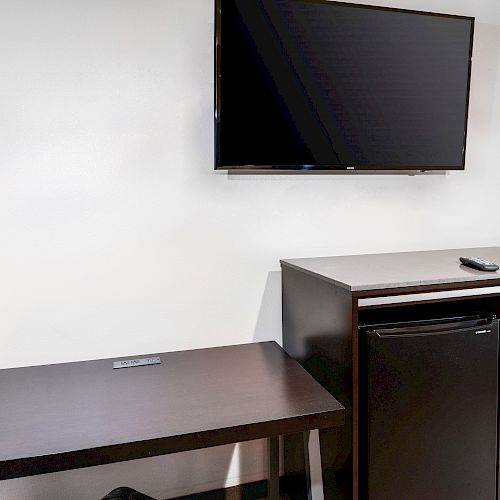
column 315, row 84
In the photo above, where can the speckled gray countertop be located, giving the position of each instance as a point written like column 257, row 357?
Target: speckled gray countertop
column 394, row 270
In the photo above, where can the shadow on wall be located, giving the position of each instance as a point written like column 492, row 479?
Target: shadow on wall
column 251, row 457
column 253, row 454
column 484, row 76
column 268, row 325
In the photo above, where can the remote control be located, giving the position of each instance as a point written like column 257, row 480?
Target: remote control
column 480, row 264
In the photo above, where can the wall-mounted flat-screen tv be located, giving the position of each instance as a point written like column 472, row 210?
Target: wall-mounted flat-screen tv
column 325, row 85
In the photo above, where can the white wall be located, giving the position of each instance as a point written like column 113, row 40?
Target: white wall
column 118, row 238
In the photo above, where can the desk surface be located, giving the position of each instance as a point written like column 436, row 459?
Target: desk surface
column 394, row 270
column 66, row 416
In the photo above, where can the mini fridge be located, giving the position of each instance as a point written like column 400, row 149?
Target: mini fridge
column 428, row 409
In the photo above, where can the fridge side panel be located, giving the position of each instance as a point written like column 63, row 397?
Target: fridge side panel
column 317, row 331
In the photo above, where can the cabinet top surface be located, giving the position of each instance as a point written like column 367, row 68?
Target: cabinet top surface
column 394, row 270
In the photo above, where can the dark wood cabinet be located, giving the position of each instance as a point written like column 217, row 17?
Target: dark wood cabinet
column 326, row 299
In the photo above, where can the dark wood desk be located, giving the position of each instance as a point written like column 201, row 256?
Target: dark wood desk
column 67, row 416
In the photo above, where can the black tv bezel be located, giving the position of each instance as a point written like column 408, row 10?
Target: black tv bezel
column 333, row 168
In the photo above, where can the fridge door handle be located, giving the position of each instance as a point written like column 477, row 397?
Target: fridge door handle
column 482, row 327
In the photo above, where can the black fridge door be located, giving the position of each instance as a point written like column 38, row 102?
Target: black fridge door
column 430, row 406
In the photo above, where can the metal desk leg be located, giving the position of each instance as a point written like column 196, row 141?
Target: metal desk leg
column 306, row 435
column 273, row 452
column 314, row 474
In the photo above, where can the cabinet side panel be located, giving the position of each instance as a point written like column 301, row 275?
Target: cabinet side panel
column 317, row 331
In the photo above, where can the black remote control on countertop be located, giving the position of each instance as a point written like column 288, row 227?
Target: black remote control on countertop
column 478, row 263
